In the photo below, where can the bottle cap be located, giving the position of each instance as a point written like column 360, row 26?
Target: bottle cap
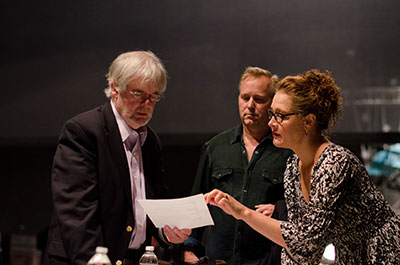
column 102, row 250
column 149, row 248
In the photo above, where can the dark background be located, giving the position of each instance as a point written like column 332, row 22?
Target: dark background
column 55, row 54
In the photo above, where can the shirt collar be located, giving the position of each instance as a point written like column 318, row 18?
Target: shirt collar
column 237, row 135
column 125, row 130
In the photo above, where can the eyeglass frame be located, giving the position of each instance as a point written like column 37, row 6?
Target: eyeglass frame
column 143, row 96
column 279, row 117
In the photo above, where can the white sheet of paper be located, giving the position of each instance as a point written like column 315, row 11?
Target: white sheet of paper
column 188, row 212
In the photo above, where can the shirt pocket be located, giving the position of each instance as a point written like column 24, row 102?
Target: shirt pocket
column 222, row 179
column 271, row 188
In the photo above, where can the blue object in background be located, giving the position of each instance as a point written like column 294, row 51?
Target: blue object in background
column 385, row 162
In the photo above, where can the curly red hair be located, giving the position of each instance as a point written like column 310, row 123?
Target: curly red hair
column 314, row 92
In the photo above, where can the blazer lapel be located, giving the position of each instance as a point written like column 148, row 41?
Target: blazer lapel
column 116, row 147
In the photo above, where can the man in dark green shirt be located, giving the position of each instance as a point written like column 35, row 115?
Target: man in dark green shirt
column 243, row 162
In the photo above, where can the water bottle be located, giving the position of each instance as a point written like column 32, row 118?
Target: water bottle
column 148, row 258
column 100, row 257
column 329, row 256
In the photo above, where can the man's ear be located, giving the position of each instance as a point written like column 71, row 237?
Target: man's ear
column 113, row 87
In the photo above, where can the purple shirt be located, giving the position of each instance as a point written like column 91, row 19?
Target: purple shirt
column 133, row 141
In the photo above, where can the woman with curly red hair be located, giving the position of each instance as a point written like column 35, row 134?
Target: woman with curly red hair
column 329, row 195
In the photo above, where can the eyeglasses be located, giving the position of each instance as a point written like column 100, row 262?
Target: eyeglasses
column 279, row 117
column 143, row 96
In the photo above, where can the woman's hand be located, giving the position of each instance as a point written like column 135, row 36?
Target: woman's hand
column 226, row 202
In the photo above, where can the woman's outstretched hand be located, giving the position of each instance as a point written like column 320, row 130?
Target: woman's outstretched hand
column 226, row 202
column 260, row 222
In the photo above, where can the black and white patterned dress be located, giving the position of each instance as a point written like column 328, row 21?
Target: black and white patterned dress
column 345, row 209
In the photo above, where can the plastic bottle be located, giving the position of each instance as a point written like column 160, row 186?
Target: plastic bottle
column 100, row 257
column 148, row 258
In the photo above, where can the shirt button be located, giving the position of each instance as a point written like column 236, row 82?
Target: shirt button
column 244, row 191
column 135, row 177
column 129, row 228
column 256, row 152
column 243, row 151
column 118, row 262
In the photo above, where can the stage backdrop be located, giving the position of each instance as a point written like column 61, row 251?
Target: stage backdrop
column 55, row 56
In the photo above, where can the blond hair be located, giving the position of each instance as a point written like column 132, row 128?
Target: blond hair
column 253, row 71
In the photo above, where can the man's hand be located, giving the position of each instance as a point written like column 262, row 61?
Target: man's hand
column 176, row 235
column 189, row 256
column 266, row 209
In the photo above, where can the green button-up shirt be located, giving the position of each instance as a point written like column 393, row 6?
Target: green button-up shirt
column 224, row 165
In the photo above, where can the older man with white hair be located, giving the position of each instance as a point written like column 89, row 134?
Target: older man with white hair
column 106, row 160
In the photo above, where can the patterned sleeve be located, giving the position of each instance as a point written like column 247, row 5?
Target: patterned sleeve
column 306, row 232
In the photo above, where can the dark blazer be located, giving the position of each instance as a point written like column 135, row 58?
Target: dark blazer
column 92, row 191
